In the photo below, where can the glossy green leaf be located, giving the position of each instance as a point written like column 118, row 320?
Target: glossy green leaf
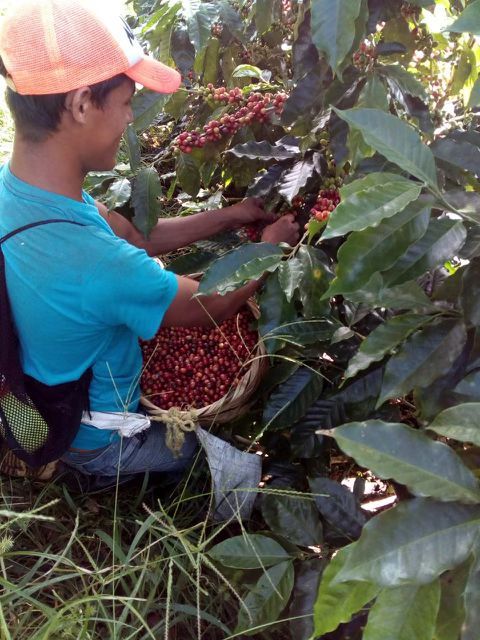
column 441, row 242
column 367, row 207
column 146, row 106
column 391, row 450
column 264, row 12
column 394, row 139
column 294, row 179
column 133, row 148
column 263, row 151
column 383, row 340
column 290, row 275
column 248, row 551
column 338, row 506
column 188, row 174
column 291, row 400
column 474, row 100
column 333, row 28
column 146, row 191
column 402, row 296
column 247, row 71
column 469, row 20
column 337, row 602
column 239, row 266
column 398, row 77
column 294, row 518
column 374, row 94
column 200, row 19
column 404, row 613
column 377, row 248
column 211, row 61
column 451, row 613
column 303, row 332
column 275, row 310
column 459, row 152
column 316, row 277
column 461, row 422
column 472, row 598
column 304, row 96
column 413, row 543
column 267, row 599
column 118, row 193
column 307, row 578
column 423, row 358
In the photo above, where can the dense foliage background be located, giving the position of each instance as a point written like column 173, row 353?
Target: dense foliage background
column 361, row 117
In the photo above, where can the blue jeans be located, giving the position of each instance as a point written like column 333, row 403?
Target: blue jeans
column 146, row 451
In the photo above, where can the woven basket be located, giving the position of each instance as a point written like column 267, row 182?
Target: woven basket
column 237, row 400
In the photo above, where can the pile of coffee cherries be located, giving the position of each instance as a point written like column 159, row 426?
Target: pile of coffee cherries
column 194, row 367
column 256, row 107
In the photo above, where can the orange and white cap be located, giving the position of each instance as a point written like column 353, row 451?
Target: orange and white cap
column 55, row 46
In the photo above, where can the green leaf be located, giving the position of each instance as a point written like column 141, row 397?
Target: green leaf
column 459, row 152
column 146, row 191
column 275, row 310
column 413, row 543
column 291, row 400
column 188, row 263
column 118, row 194
column 469, row 20
column 235, row 268
column 367, row 207
column 295, row 178
column 423, row 358
column 472, row 597
column 394, row 139
column 390, row 450
column 474, row 100
column 262, row 151
column 264, row 12
column 441, row 242
column 248, row 551
column 316, row 277
column 451, row 613
column 383, row 340
column 200, row 22
column 293, row 517
column 290, row 275
column 402, row 296
column 338, row 506
column 211, row 61
column 303, row 332
column 307, row 94
column 470, row 295
column 247, row 71
column 333, row 28
column 307, row 578
column 404, row 613
column 337, row 602
column 459, row 423
column 374, row 95
column 188, row 174
column 133, row 148
column 267, row 599
column 176, row 105
column 377, row 248
column 146, row 106
column 398, row 77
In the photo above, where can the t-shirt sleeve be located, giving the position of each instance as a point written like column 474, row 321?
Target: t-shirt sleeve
column 129, row 288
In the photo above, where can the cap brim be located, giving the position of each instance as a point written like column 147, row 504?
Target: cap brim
column 155, row 75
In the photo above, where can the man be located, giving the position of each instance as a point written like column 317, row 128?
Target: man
column 82, row 294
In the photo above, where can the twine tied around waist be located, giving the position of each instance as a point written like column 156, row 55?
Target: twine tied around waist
column 177, row 423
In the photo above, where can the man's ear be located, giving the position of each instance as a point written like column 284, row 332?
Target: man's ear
column 79, row 104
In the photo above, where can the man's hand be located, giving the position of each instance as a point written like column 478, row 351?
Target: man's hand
column 285, row 229
column 248, row 211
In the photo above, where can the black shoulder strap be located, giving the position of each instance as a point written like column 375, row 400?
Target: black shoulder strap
column 36, row 224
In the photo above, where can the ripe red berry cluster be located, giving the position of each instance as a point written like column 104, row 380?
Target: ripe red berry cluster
column 326, row 202
column 253, row 231
column 256, row 108
column 217, row 29
column 365, row 55
column 193, row 367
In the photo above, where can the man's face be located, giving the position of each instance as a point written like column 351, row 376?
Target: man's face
column 106, row 126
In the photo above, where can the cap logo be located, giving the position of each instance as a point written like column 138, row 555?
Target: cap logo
column 128, row 31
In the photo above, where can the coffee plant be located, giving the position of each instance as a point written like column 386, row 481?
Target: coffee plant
column 362, row 118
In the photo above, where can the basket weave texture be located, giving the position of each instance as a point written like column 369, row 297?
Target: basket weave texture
column 235, row 402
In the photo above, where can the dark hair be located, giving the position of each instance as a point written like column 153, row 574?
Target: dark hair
column 36, row 117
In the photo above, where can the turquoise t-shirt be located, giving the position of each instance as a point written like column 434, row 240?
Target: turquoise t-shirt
column 80, row 296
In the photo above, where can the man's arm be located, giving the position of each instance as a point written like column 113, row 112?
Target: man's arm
column 189, row 311
column 173, row 233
